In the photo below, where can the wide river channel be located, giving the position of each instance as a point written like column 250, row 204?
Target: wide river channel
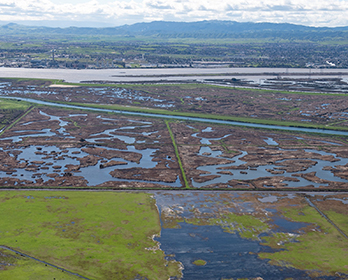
column 169, row 74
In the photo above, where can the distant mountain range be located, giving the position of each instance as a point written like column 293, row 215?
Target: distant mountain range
column 201, row 29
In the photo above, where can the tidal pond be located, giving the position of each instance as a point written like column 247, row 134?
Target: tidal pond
column 263, row 170
column 51, row 148
column 51, row 161
column 270, row 160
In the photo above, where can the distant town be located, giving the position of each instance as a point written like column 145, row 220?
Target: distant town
column 220, row 44
column 99, row 56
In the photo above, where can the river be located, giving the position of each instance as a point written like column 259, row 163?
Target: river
column 168, row 74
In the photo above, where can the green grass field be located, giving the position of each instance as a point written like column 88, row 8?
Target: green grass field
column 11, row 111
column 24, row 268
column 99, row 235
column 8, row 104
column 322, row 248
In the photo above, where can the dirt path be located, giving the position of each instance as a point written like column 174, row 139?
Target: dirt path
column 41, row 261
column 326, row 217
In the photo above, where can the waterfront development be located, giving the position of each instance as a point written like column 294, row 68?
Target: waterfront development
column 193, row 180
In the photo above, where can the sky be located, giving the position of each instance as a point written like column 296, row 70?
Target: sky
column 102, row 13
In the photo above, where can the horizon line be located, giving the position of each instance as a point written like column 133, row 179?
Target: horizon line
column 101, row 25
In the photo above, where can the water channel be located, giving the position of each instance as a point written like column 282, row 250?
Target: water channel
column 194, row 119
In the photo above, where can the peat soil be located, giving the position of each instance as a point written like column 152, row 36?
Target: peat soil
column 52, row 147
column 240, row 158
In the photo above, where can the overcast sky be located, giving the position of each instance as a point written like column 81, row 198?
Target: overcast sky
column 114, row 13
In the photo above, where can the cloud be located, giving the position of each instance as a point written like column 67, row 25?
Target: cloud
column 159, row 5
column 112, row 12
column 7, row 5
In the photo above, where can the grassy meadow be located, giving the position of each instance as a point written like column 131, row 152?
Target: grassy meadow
column 321, row 247
column 99, row 235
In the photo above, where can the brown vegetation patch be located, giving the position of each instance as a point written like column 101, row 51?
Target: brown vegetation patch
column 159, row 175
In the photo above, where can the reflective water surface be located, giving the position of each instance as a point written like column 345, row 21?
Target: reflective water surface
column 210, row 226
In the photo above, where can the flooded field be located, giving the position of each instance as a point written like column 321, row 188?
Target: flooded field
column 250, row 235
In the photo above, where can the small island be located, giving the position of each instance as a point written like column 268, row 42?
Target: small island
column 200, row 262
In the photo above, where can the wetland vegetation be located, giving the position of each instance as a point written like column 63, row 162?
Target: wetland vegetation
column 289, row 238
column 275, row 107
column 185, row 233
column 123, row 235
